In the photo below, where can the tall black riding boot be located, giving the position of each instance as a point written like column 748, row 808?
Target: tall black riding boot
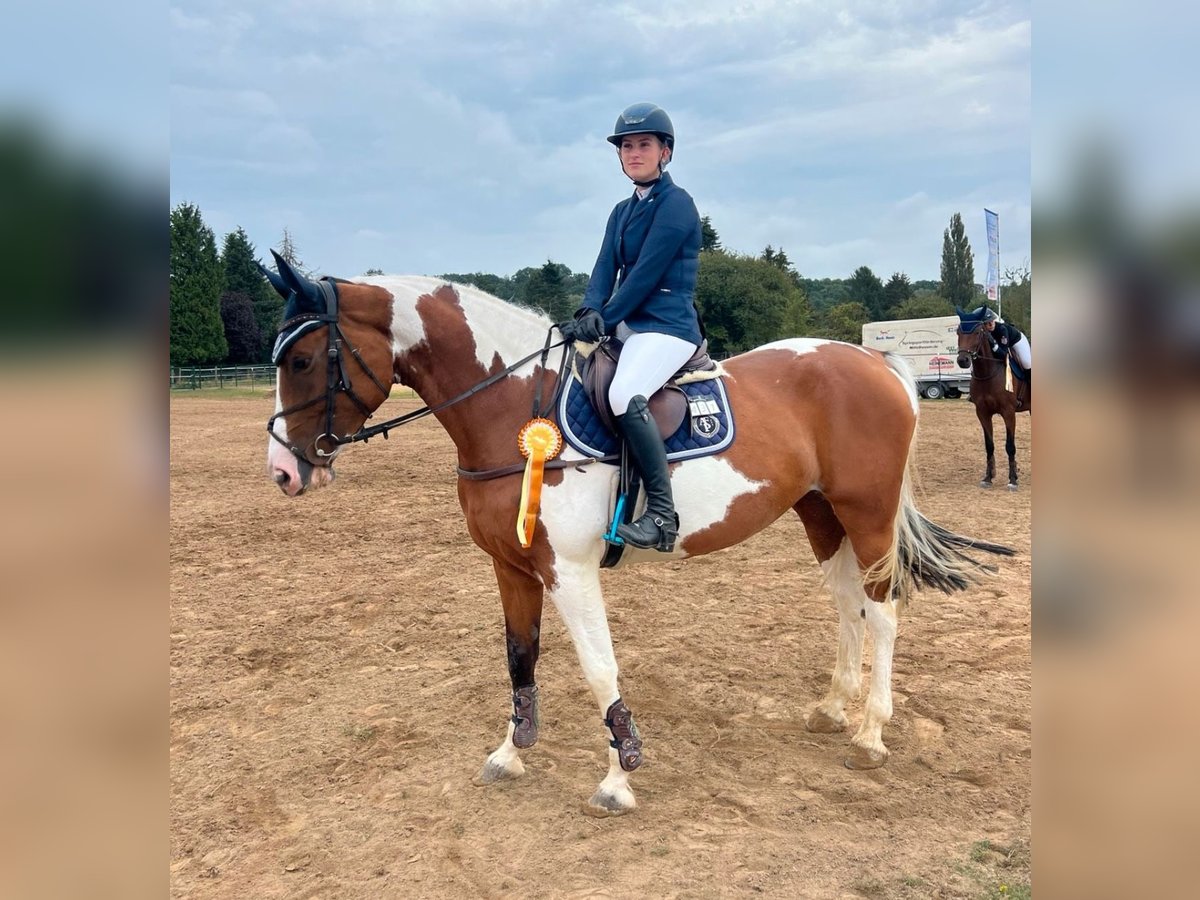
column 659, row 524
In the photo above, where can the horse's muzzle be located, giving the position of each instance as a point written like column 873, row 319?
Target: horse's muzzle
column 964, row 361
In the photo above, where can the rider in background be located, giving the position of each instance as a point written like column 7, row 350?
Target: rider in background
column 1006, row 337
column 651, row 256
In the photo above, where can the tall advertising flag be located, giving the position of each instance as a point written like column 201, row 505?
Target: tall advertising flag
column 993, row 268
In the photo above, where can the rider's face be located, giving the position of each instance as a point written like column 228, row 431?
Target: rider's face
column 989, row 325
column 641, row 154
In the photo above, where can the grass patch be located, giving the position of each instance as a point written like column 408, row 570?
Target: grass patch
column 1001, row 872
column 359, row 733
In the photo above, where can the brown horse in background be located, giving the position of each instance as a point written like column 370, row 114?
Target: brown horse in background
column 990, row 395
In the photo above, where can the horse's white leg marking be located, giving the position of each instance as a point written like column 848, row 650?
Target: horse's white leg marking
column 868, row 743
column 579, row 601
column 503, row 763
column 845, row 583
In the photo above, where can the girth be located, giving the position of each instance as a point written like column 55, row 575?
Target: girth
column 668, row 405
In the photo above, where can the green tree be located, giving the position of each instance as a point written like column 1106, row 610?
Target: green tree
column 197, row 334
column 958, row 265
column 746, row 302
column 241, row 329
column 897, row 290
column 825, row 292
column 844, row 322
column 489, row 284
column 866, row 288
column 779, row 259
column 545, row 291
column 1016, row 296
column 709, row 239
column 242, row 276
column 922, row 305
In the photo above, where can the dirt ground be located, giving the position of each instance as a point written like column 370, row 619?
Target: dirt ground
column 338, row 676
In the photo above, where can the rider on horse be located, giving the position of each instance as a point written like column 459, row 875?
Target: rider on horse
column 1005, row 337
column 651, row 256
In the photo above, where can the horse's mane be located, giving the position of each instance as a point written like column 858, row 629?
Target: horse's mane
column 414, row 286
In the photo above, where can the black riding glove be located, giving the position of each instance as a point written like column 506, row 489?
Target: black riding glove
column 588, row 325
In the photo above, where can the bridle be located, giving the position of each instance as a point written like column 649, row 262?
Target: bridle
column 338, row 380
column 976, row 354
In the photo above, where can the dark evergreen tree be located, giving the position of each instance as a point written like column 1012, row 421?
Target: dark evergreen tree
column 242, row 276
column 866, row 288
column 241, row 329
column 545, row 291
column 897, row 290
column 958, row 266
column 197, row 334
column 709, row 240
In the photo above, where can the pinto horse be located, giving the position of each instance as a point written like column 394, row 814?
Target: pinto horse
column 825, row 429
column 989, row 394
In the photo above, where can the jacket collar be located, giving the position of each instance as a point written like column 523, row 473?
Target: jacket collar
column 664, row 181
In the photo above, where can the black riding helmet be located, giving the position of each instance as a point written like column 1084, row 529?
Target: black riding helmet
column 644, row 118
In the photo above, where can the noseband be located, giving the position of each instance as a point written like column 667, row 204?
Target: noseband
column 337, row 378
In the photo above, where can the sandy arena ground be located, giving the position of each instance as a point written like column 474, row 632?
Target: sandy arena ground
column 338, row 676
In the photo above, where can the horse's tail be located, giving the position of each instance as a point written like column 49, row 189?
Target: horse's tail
column 923, row 553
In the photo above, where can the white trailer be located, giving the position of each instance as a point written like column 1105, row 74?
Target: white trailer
column 929, row 346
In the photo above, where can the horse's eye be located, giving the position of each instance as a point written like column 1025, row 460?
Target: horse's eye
column 300, row 363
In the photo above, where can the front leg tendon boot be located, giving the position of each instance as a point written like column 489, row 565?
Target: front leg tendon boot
column 659, row 524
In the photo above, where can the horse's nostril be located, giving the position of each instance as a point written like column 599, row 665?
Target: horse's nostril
column 282, row 478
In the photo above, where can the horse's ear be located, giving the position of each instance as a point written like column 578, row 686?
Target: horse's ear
column 960, row 312
column 307, row 293
column 276, row 282
column 292, row 279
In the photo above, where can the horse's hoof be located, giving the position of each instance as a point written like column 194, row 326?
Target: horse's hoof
column 864, row 758
column 985, row 484
column 604, row 805
column 1012, row 485
column 494, row 772
column 820, row 722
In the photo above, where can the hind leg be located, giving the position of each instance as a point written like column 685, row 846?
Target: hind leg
column 826, row 535
column 870, row 537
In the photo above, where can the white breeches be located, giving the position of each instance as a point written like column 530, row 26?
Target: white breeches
column 647, row 361
column 1021, row 351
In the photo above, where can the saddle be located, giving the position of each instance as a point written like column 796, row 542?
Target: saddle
column 669, row 403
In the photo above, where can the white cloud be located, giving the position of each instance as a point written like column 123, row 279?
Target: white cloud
column 470, row 133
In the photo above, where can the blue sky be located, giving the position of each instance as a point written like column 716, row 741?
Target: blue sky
column 468, row 135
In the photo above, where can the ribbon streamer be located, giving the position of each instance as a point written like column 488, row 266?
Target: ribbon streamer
column 538, row 441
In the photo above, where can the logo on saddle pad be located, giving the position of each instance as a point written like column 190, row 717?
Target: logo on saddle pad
column 707, row 428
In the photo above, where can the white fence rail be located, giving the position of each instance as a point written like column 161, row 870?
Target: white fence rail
column 195, row 378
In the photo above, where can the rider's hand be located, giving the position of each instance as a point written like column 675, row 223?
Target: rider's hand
column 588, row 325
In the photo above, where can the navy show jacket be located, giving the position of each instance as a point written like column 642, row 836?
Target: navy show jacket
column 651, row 253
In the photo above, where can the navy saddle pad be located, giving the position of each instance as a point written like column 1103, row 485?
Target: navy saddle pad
column 707, row 428
column 1018, row 373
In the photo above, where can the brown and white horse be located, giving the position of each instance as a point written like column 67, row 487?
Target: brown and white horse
column 990, row 396
column 823, row 428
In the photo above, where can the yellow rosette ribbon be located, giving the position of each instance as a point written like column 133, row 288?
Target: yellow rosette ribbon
column 538, row 441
